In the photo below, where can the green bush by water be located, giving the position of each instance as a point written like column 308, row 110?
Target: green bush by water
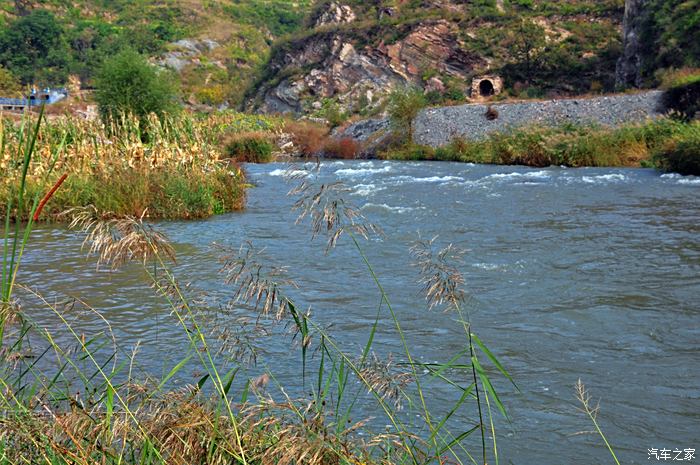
column 251, row 147
column 680, row 153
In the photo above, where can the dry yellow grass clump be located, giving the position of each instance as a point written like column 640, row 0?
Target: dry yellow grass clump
column 163, row 168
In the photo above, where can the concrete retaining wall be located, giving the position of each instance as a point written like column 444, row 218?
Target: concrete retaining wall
column 438, row 126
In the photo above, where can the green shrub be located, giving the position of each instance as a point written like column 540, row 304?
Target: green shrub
column 572, row 145
column 410, row 151
column 404, row 105
column 250, row 147
column 128, row 84
column 681, row 153
column 683, row 92
column 9, row 84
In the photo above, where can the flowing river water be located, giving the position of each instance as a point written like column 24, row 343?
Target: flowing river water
column 574, row 273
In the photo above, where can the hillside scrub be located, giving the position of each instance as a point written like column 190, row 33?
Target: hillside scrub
column 682, row 91
column 681, row 152
column 178, row 173
column 571, row 145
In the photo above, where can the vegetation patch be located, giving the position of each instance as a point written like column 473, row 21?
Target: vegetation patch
column 308, row 137
column 682, row 92
column 570, row 145
column 344, row 148
column 681, row 152
column 252, row 147
column 178, row 172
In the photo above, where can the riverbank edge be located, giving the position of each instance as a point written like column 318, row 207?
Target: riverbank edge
column 664, row 143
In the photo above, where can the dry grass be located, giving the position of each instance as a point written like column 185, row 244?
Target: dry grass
column 256, row 283
column 310, row 138
column 328, row 211
column 174, row 169
column 345, row 148
column 440, row 277
column 119, row 241
column 384, row 378
column 102, row 409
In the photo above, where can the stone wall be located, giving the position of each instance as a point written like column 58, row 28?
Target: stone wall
column 438, row 126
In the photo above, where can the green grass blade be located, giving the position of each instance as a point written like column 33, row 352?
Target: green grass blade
column 494, row 360
column 486, row 382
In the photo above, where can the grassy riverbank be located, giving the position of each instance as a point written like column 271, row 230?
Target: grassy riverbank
column 666, row 143
column 68, row 397
column 76, row 394
column 169, row 168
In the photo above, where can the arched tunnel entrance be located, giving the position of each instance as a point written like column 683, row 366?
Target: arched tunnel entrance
column 486, row 88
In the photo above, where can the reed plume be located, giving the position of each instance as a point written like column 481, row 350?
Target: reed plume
column 325, row 206
column 255, row 283
column 384, row 378
column 118, row 241
column 440, row 277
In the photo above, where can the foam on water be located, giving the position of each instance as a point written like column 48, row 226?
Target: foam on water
column 508, row 176
column 366, row 190
column 430, row 179
column 680, row 179
column 286, row 172
column 615, row 177
column 383, row 206
column 488, row 266
column 352, row 172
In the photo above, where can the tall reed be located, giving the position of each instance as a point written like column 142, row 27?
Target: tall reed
column 90, row 401
column 177, row 171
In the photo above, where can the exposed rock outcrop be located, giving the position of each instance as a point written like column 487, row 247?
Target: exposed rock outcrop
column 186, row 52
column 629, row 67
column 335, row 65
column 336, row 14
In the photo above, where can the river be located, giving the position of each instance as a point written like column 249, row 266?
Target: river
column 574, row 273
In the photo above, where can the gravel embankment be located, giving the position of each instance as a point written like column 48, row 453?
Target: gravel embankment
column 438, row 126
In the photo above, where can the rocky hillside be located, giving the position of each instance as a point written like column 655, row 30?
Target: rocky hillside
column 353, row 52
column 216, row 48
column 336, row 58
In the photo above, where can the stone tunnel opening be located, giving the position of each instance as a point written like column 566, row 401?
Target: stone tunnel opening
column 486, row 88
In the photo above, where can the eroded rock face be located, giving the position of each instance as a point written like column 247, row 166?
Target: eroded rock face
column 186, row 52
column 629, row 67
column 336, row 14
column 430, row 46
column 338, row 69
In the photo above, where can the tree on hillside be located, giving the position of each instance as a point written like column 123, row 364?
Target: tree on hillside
column 34, row 49
column 670, row 35
column 404, row 105
column 9, row 84
column 527, row 43
column 22, row 7
column 128, row 84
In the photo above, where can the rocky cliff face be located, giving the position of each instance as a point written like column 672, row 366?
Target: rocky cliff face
column 629, row 67
column 354, row 52
column 335, row 62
